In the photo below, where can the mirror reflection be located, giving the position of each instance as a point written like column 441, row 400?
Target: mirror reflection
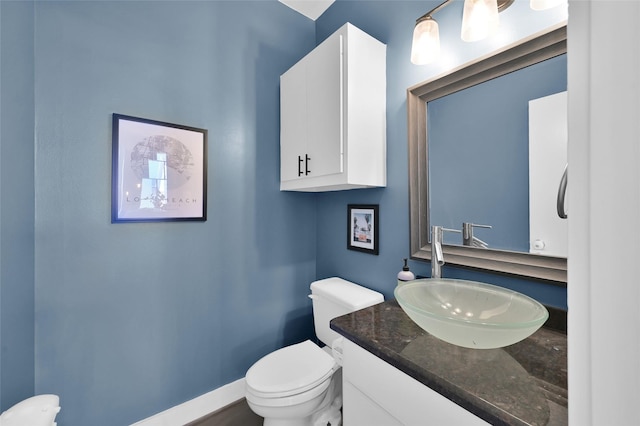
column 497, row 153
column 476, row 176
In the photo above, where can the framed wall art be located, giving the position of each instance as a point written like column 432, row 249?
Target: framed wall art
column 362, row 228
column 159, row 171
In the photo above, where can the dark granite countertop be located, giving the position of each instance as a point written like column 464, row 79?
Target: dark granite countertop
column 521, row 384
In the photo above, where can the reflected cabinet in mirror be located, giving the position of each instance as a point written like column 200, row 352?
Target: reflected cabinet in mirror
column 487, row 154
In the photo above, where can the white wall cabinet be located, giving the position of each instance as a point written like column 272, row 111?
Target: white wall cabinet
column 333, row 116
column 377, row 394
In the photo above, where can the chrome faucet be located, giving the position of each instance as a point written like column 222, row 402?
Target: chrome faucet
column 437, row 258
column 468, row 239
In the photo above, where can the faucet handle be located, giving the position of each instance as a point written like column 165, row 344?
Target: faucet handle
column 437, row 230
column 467, row 228
column 451, row 230
column 475, row 225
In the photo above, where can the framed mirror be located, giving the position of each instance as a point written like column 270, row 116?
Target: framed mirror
column 429, row 188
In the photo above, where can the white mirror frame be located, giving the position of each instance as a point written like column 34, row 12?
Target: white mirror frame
column 520, row 55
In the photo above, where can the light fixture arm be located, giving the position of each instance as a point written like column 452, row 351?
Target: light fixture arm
column 432, row 11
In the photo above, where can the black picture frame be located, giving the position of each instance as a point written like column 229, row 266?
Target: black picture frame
column 159, row 171
column 362, row 228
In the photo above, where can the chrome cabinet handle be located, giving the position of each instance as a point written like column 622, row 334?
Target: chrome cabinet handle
column 562, row 192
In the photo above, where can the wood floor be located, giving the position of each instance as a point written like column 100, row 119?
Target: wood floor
column 236, row 414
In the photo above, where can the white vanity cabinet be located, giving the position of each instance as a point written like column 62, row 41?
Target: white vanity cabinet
column 378, row 394
column 333, row 116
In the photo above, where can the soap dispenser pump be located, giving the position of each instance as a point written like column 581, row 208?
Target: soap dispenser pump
column 405, row 275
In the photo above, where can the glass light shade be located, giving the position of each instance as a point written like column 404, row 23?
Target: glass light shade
column 545, row 4
column 426, row 42
column 479, row 19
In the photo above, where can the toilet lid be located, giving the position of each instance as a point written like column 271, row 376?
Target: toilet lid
column 290, row 370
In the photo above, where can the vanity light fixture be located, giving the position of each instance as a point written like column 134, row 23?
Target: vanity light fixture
column 426, row 39
column 479, row 20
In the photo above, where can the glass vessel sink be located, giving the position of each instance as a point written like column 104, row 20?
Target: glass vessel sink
column 470, row 314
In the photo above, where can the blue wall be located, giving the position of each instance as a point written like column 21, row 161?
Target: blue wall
column 131, row 319
column 16, row 203
column 392, row 23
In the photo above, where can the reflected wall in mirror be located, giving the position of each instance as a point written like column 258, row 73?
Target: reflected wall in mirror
column 478, row 150
column 462, row 173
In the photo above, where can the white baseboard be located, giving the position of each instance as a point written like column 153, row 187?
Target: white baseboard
column 197, row 407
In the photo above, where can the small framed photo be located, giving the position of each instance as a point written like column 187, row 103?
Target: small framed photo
column 159, row 171
column 362, row 228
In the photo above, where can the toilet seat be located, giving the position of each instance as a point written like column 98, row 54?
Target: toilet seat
column 290, row 400
column 291, row 370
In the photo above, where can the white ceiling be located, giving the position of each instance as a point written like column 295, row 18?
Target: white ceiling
column 312, row 9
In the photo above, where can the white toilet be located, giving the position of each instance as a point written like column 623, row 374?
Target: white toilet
column 301, row 384
column 39, row 410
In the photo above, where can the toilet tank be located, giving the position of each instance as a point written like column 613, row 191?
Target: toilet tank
column 333, row 297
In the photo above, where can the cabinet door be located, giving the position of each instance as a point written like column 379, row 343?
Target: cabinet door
column 325, row 106
column 293, row 121
column 400, row 396
column 358, row 409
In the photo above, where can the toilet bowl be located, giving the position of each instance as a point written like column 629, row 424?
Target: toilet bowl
column 288, row 386
column 39, row 410
column 301, row 384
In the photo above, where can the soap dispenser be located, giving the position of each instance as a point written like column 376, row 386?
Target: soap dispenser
column 405, row 275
